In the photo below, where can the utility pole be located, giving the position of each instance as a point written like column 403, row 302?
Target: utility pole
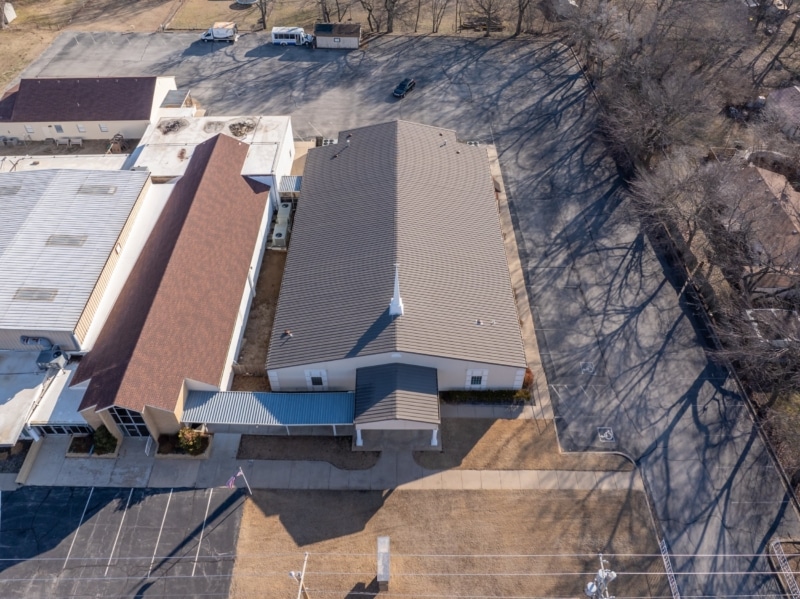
column 598, row 588
column 300, row 577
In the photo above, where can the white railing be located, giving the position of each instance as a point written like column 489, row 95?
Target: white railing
column 673, row 586
column 788, row 575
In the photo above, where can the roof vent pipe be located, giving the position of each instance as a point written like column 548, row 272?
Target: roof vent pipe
column 396, row 305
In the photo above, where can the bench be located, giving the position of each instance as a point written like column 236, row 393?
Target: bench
column 76, row 141
column 62, row 141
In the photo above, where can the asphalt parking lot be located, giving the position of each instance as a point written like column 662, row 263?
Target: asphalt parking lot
column 620, row 349
column 101, row 542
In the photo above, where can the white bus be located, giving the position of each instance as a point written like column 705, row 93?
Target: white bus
column 291, row 36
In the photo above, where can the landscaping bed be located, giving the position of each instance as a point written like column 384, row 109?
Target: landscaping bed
column 174, row 446
column 486, row 444
column 334, row 450
column 12, row 458
column 100, row 443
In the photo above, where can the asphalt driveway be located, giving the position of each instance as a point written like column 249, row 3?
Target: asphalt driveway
column 101, row 542
column 620, row 349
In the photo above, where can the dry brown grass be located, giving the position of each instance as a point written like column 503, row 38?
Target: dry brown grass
column 482, row 444
column 201, row 14
column 334, row 450
column 19, row 48
column 339, row 530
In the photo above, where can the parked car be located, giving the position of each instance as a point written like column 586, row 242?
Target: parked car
column 405, row 86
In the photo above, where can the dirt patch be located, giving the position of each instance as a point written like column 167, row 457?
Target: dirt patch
column 241, row 128
column 202, row 14
column 483, row 444
column 253, row 356
column 334, row 450
column 20, row 47
column 11, row 459
column 446, row 543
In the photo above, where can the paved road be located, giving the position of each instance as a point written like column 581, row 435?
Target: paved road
column 619, row 346
column 100, row 542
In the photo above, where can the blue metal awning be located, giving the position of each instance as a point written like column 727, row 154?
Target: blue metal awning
column 291, row 184
column 277, row 409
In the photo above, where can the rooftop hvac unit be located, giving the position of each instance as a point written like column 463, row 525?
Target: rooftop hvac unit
column 51, row 358
column 284, row 213
column 280, row 235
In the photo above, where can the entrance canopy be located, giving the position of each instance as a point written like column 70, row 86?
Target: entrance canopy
column 397, row 396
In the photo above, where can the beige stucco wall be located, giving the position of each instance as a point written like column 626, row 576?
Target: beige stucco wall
column 41, row 131
column 344, row 43
column 341, row 374
column 397, row 425
column 160, row 422
column 91, row 417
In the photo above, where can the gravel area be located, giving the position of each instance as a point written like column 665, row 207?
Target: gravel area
column 483, row 444
column 334, row 450
column 11, row 459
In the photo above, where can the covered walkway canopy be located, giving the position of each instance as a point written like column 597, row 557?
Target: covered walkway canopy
column 249, row 412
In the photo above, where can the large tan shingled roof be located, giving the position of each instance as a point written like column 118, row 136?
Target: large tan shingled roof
column 397, row 193
column 175, row 316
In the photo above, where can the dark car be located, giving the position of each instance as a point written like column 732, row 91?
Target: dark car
column 405, row 86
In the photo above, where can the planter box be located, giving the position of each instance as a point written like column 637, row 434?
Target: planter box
column 91, row 454
column 186, row 456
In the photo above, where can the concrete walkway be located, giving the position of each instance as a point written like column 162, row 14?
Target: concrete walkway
column 133, row 468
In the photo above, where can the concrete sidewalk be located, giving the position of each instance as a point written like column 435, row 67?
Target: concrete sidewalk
column 133, row 468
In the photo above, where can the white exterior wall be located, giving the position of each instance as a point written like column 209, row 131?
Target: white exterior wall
column 163, row 86
column 42, row 131
column 285, row 158
column 344, row 43
column 9, row 339
column 341, row 374
column 398, row 425
column 153, row 204
column 247, row 296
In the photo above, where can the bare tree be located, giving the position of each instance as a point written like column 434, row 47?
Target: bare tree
column 2, row 14
column 375, row 13
column 438, row 8
column 522, row 10
column 264, row 9
column 491, row 12
column 324, row 10
column 394, row 10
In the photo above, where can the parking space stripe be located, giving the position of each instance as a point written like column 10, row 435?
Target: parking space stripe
column 77, row 529
column 160, row 530
column 202, row 530
column 119, row 530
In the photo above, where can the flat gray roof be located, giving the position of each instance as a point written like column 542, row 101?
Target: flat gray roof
column 57, row 231
column 407, row 194
column 397, row 392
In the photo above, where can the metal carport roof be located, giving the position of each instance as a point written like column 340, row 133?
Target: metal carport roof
column 278, row 409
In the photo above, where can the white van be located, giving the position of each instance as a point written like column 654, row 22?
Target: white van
column 291, row 36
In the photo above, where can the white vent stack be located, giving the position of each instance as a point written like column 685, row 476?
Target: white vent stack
column 396, row 305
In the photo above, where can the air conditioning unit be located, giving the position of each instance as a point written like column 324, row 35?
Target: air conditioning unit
column 280, row 235
column 284, row 213
column 51, row 358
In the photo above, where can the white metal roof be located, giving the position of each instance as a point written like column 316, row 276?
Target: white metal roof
column 167, row 145
column 59, row 403
column 57, row 230
column 20, row 384
column 99, row 162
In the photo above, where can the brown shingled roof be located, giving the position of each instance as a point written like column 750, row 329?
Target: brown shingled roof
column 7, row 103
column 175, row 316
column 95, row 99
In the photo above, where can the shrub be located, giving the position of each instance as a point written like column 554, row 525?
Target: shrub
column 191, row 440
column 501, row 396
column 104, row 441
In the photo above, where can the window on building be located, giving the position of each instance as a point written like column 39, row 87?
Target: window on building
column 131, row 423
column 28, row 128
column 337, row 40
column 475, row 380
column 59, row 129
column 103, row 128
column 81, row 129
column 316, row 381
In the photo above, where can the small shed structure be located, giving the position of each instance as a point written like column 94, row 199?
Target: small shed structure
column 346, row 36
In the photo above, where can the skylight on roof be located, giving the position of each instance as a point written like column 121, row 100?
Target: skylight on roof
column 9, row 190
column 98, row 189
column 36, row 294
column 67, row 240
